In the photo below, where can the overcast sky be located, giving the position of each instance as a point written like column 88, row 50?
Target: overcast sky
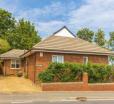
column 50, row 15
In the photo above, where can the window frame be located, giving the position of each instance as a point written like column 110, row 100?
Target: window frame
column 58, row 58
column 15, row 63
column 85, row 57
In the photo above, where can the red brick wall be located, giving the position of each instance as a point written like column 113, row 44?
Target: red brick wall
column 43, row 62
column 37, row 64
column 78, row 86
column 31, row 62
column 7, row 68
column 61, row 86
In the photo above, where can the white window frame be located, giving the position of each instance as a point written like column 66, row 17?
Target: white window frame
column 14, row 61
column 85, row 61
column 58, row 58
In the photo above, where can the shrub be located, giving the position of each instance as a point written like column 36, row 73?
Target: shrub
column 58, row 72
column 46, row 76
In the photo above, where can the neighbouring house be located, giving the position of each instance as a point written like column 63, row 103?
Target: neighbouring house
column 12, row 62
column 62, row 46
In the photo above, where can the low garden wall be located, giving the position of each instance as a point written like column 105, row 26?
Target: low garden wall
column 78, row 86
column 69, row 86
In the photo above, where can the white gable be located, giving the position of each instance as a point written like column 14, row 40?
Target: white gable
column 64, row 32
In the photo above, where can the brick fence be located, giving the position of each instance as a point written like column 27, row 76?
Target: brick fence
column 78, row 86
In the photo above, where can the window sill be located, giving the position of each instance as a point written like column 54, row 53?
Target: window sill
column 15, row 68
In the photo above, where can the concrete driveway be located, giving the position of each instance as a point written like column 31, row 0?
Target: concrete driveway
column 13, row 84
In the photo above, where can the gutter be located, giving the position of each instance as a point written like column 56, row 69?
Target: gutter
column 64, row 51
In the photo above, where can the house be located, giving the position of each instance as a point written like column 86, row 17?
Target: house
column 62, row 46
column 12, row 62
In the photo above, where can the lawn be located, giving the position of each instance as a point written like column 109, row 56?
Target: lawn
column 17, row 84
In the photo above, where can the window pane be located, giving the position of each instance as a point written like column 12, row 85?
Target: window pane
column 13, row 62
column 12, row 65
column 17, row 65
column 60, row 59
column 54, row 58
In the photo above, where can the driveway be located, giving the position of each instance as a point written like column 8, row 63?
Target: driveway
column 13, row 84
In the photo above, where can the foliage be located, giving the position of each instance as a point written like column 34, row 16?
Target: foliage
column 46, row 76
column 4, row 46
column 111, row 41
column 110, row 46
column 7, row 23
column 24, row 35
column 68, row 72
column 99, row 38
column 21, row 34
column 86, row 34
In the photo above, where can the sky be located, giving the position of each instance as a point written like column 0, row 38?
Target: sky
column 50, row 15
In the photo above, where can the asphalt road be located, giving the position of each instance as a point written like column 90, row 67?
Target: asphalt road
column 58, row 98
column 64, row 102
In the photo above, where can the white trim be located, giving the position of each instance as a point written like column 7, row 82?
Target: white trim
column 64, row 32
column 57, row 58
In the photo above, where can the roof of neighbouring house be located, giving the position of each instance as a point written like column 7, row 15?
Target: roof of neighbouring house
column 14, row 53
column 64, row 41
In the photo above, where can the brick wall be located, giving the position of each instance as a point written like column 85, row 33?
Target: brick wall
column 61, row 86
column 78, row 86
column 31, row 62
column 7, row 68
column 37, row 63
column 43, row 62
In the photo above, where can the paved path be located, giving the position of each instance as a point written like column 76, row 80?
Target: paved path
column 57, row 97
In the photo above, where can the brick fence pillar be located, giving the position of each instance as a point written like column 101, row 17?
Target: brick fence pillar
column 85, row 81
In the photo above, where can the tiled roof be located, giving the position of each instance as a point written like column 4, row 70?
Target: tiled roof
column 60, row 43
column 14, row 53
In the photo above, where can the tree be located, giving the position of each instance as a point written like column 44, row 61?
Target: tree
column 7, row 23
column 4, row 46
column 111, row 41
column 100, row 38
column 85, row 34
column 111, row 46
column 24, row 35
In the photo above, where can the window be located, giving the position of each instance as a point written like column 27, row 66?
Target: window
column 15, row 64
column 85, row 59
column 58, row 58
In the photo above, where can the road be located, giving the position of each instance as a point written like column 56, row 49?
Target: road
column 58, row 98
column 62, row 102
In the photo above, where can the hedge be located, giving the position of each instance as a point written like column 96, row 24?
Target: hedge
column 69, row 72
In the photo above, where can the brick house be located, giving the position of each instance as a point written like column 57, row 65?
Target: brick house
column 12, row 62
column 62, row 47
